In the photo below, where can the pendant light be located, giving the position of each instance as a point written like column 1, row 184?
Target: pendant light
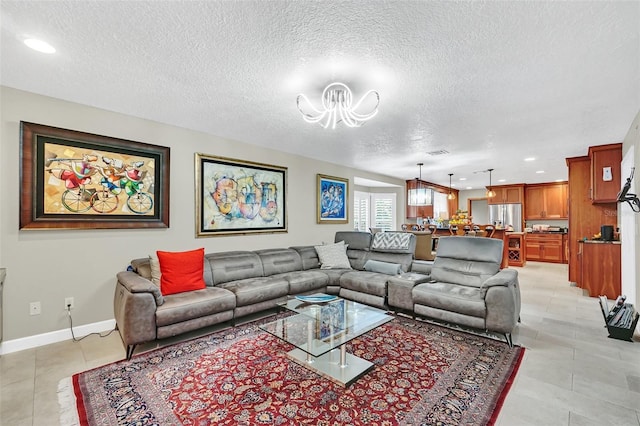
column 451, row 195
column 419, row 196
column 490, row 192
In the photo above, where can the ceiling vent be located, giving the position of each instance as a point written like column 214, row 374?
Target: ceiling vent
column 439, row 152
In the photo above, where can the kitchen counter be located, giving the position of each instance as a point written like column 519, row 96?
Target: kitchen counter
column 598, row 242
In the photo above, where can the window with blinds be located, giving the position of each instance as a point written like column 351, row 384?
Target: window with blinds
column 374, row 210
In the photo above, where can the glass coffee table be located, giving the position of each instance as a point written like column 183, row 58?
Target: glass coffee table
column 320, row 332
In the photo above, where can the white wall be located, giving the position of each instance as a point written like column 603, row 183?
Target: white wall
column 630, row 238
column 48, row 266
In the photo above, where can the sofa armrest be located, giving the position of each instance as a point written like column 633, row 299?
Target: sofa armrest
column 134, row 308
column 505, row 277
column 134, row 283
column 421, row 267
column 503, row 306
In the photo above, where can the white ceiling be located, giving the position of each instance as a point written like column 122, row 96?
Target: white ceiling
column 489, row 82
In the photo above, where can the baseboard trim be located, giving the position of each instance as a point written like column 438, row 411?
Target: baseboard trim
column 55, row 336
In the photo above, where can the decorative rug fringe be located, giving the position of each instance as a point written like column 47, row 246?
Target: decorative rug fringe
column 67, row 402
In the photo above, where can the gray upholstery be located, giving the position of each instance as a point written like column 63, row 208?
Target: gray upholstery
column 234, row 265
column 467, row 286
column 309, row 257
column 278, row 261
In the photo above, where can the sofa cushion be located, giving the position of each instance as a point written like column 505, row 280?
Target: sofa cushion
column 182, row 307
column 255, row 290
column 365, row 282
column 304, row 281
column 234, row 265
column 466, row 261
column 451, row 297
column 181, row 271
column 279, row 261
column 383, row 267
column 355, row 240
column 309, row 257
column 333, row 256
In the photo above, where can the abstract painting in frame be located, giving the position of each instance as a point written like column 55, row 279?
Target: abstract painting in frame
column 332, row 199
column 239, row 197
column 77, row 180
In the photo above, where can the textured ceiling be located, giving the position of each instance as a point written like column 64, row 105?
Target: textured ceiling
column 489, row 82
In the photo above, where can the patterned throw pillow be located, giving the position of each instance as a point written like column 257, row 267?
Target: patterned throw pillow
column 333, row 256
column 391, row 241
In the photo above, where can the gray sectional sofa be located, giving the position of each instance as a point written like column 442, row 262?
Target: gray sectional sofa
column 239, row 283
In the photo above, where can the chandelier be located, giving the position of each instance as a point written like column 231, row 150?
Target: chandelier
column 490, row 192
column 337, row 106
column 420, row 195
column 451, row 195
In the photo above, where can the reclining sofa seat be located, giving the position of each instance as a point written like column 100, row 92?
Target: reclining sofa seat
column 371, row 287
column 143, row 314
column 468, row 288
column 238, row 283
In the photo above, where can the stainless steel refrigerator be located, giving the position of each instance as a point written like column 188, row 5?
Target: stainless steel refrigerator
column 505, row 215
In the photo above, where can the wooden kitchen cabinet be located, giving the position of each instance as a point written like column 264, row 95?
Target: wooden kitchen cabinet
column 545, row 247
column 546, row 201
column 585, row 217
column 601, row 273
column 507, row 194
column 605, row 157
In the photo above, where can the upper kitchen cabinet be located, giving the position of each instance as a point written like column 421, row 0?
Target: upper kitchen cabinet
column 507, row 194
column 605, row 172
column 546, row 201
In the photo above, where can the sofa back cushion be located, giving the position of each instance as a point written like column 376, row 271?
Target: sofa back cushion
column 309, row 257
column 279, row 261
column 234, row 265
column 358, row 245
column 355, row 240
column 466, row 260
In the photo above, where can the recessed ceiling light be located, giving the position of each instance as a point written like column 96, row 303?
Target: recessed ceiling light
column 39, row 45
column 530, row 159
column 463, row 178
column 502, row 180
column 469, row 187
column 540, row 171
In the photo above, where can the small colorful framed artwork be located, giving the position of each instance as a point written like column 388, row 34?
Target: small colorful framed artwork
column 332, row 199
column 76, row 180
column 239, row 197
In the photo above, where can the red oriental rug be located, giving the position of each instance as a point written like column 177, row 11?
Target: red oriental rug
column 424, row 374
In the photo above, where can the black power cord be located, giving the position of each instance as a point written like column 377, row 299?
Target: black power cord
column 83, row 337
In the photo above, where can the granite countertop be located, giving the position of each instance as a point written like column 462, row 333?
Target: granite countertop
column 598, row 242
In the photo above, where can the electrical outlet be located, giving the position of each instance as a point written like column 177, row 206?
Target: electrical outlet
column 68, row 303
column 34, row 308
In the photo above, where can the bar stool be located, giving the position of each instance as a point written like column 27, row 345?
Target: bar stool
column 489, row 230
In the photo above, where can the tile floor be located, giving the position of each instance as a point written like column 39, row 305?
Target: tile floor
column 572, row 374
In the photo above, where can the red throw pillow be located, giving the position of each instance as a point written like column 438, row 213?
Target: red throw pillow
column 181, row 271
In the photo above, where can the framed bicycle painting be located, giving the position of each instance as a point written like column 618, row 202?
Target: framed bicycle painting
column 76, row 180
column 239, row 197
column 332, row 199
